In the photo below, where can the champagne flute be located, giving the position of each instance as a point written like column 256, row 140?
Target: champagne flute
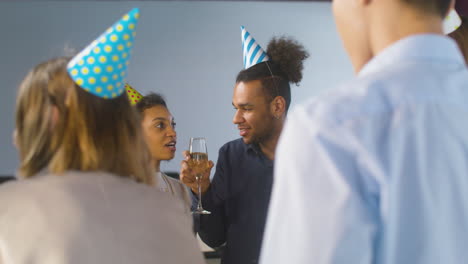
column 198, row 163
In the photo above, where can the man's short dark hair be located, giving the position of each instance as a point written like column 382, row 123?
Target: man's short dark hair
column 439, row 7
column 150, row 100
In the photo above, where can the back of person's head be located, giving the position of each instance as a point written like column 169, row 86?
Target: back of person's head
column 150, row 100
column 61, row 127
column 461, row 37
column 285, row 66
column 461, row 34
column 439, row 7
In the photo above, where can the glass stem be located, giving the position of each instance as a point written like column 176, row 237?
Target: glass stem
column 199, row 207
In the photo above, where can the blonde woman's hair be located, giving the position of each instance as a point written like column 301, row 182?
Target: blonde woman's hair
column 61, row 127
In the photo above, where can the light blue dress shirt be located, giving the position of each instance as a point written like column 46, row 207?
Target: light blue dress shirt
column 377, row 170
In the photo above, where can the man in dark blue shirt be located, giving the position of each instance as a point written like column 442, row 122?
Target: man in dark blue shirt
column 238, row 200
column 239, row 193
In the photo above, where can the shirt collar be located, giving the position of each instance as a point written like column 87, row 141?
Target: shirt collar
column 252, row 147
column 255, row 148
column 423, row 47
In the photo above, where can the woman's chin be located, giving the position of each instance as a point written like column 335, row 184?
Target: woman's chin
column 167, row 157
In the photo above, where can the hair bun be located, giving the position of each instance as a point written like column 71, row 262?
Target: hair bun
column 289, row 55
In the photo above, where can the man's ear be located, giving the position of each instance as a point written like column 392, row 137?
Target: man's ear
column 278, row 107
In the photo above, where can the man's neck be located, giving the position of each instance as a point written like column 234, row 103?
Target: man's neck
column 391, row 28
column 268, row 147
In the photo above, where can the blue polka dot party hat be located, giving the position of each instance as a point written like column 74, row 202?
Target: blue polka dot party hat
column 102, row 66
column 253, row 53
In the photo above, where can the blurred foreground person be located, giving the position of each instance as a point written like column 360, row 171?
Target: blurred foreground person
column 460, row 35
column 376, row 171
column 86, row 194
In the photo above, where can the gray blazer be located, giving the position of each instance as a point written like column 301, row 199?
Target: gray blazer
column 93, row 218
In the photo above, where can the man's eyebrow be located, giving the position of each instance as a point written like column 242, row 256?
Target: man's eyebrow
column 243, row 105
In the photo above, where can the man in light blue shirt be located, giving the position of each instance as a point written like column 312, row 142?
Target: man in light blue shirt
column 377, row 170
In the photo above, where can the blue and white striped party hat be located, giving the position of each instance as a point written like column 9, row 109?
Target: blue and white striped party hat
column 253, row 53
column 102, row 66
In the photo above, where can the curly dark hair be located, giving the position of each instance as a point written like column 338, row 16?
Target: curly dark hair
column 285, row 66
column 150, row 100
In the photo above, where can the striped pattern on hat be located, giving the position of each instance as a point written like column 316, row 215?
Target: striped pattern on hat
column 253, row 53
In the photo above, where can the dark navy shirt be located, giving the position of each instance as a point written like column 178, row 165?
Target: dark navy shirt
column 238, row 199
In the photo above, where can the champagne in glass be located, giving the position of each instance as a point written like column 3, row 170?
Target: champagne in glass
column 199, row 164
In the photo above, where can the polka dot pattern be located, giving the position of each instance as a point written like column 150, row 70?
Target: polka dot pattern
column 104, row 62
column 133, row 95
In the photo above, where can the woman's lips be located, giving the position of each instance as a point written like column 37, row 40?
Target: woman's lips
column 171, row 146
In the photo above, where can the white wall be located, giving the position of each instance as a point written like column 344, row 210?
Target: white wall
column 188, row 51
